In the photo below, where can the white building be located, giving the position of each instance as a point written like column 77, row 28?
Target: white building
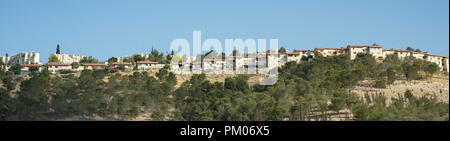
column 181, row 68
column 308, row 53
column 5, row 59
column 330, row 51
column 148, row 65
column 58, row 67
column 94, row 66
column 215, row 66
column 26, row 68
column 418, row 55
column 294, row 57
column 22, row 58
column 353, row 50
column 439, row 60
column 68, row 59
column 446, row 67
column 127, row 65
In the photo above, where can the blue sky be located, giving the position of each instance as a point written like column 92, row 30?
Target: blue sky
column 105, row 28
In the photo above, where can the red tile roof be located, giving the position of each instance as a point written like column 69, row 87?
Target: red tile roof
column 124, row 63
column 270, row 53
column 210, row 60
column 329, row 48
column 146, row 62
column 57, row 64
column 30, row 65
column 303, row 50
column 93, row 64
column 396, row 50
column 360, row 46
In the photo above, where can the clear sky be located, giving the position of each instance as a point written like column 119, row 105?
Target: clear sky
column 105, row 28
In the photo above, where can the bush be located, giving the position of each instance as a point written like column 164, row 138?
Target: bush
column 380, row 83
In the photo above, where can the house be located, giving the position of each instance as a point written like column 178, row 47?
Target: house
column 387, row 52
column 305, row 54
column 445, row 64
column 148, row 65
column 295, row 57
column 353, row 50
column 181, row 68
column 127, row 65
column 330, row 51
column 439, row 60
column 27, row 68
column 402, row 53
column 418, row 55
column 94, row 66
column 215, row 66
column 235, row 63
column 58, row 67
column 273, row 61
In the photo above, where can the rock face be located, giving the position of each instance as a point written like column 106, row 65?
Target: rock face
column 437, row 86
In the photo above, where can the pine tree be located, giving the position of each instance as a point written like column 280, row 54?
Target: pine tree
column 57, row 49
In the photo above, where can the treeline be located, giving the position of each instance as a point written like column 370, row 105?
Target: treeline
column 94, row 95
column 406, row 107
column 303, row 92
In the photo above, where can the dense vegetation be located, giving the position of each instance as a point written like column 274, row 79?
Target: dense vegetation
column 304, row 91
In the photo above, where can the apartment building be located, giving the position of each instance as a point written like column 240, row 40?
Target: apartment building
column 22, row 58
column 5, row 59
column 68, row 59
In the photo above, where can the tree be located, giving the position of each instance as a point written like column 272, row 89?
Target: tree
column 112, row 59
column 2, row 68
column 410, row 48
column 391, row 76
column 32, row 99
column 89, row 59
column 338, row 102
column 75, row 65
column 8, row 82
column 34, row 69
column 53, row 59
column 57, row 49
column 410, row 71
column 121, row 67
column 16, row 69
column 282, row 50
column 381, row 83
column 430, row 69
column 138, row 57
column 6, row 106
